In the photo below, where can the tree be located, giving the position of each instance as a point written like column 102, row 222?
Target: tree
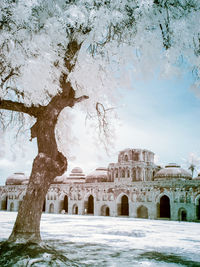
column 55, row 54
column 192, row 168
column 192, row 162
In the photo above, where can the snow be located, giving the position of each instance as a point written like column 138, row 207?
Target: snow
column 110, row 241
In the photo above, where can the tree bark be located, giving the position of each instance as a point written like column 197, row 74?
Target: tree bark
column 27, row 224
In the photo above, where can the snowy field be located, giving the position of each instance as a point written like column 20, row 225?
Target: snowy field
column 73, row 240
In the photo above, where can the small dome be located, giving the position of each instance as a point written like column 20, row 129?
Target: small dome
column 77, row 170
column 99, row 175
column 76, row 174
column 17, row 178
column 172, row 170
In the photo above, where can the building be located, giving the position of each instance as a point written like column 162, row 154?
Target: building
column 134, row 187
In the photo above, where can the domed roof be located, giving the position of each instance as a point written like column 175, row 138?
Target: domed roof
column 17, row 178
column 172, row 170
column 99, row 175
column 76, row 172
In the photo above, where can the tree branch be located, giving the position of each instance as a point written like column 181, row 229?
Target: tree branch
column 19, row 107
column 81, row 98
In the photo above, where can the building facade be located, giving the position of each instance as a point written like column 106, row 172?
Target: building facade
column 133, row 186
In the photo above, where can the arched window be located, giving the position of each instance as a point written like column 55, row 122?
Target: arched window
column 126, row 157
column 134, row 178
column 116, row 173
column 128, row 173
column 123, row 173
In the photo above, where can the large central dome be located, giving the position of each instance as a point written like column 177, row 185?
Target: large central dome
column 172, row 170
column 99, row 175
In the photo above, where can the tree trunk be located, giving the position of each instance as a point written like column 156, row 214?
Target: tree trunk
column 48, row 164
column 27, row 225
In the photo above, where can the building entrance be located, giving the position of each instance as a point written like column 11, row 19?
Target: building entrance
column 164, row 207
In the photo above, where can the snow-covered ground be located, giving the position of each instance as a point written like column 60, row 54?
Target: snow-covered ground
column 108, row 241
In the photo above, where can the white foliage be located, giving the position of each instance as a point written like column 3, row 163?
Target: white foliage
column 135, row 35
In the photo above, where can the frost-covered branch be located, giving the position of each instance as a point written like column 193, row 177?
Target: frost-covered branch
column 18, row 107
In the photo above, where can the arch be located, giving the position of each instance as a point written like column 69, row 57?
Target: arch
column 124, row 206
column 65, row 204
column 4, row 203
column 105, row 211
column 90, row 209
column 198, row 208
column 134, row 178
column 182, row 214
column 75, row 209
column 11, row 206
column 164, row 207
column 126, row 158
column 44, row 206
column 123, row 173
column 51, row 208
column 142, row 212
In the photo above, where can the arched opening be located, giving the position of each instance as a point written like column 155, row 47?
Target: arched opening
column 134, row 174
column 11, row 206
column 105, row 211
column 90, row 209
column 164, row 207
column 198, row 209
column 66, row 203
column 116, row 173
column 142, row 212
column 44, row 206
column 75, row 209
column 51, row 208
column 124, row 206
column 182, row 215
column 4, row 203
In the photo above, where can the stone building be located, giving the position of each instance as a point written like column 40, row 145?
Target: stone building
column 134, row 187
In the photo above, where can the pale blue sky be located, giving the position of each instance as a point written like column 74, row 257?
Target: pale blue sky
column 159, row 115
